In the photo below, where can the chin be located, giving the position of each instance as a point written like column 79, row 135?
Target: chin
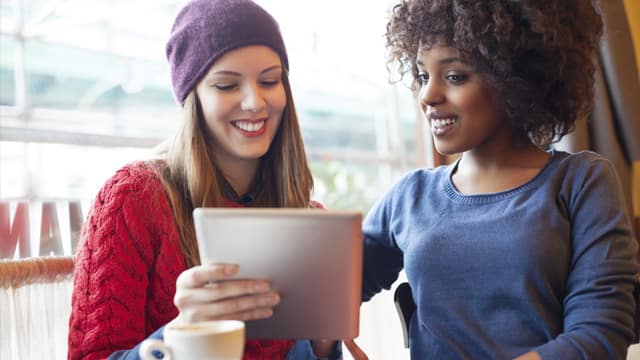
column 254, row 155
column 447, row 151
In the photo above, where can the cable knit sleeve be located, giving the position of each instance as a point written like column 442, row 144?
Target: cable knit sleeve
column 116, row 263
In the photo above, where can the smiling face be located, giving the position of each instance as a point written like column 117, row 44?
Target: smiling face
column 458, row 105
column 242, row 98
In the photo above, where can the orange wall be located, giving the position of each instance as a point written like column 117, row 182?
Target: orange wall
column 633, row 14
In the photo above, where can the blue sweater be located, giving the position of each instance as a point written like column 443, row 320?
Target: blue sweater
column 547, row 266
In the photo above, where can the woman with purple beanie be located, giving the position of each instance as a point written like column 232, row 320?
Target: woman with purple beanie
column 239, row 145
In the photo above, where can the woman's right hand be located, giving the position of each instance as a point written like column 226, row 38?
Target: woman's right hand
column 208, row 292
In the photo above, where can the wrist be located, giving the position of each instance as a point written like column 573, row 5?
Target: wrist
column 325, row 349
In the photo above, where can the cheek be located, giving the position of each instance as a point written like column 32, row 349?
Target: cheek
column 420, row 98
column 278, row 100
column 215, row 109
column 490, row 109
column 478, row 103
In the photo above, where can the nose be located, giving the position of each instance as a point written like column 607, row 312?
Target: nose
column 252, row 99
column 431, row 94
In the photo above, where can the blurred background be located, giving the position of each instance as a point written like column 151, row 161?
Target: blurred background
column 85, row 89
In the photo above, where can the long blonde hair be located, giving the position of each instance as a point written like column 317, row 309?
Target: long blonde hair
column 191, row 178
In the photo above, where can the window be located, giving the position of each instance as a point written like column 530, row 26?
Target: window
column 84, row 89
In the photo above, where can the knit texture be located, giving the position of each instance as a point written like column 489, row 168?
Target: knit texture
column 204, row 30
column 127, row 264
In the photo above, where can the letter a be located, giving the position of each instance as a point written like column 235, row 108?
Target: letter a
column 50, row 241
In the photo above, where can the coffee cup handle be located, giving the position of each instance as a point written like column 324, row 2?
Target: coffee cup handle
column 150, row 345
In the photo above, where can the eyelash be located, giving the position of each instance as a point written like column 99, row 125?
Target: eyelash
column 222, row 87
column 270, row 83
column 454, row 78
column 457, row 78
column 423, row 78
column 264, row 83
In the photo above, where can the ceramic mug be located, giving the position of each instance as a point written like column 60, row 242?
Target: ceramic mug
column 218, row 339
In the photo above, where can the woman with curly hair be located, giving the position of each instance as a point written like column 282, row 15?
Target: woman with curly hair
column 515, row 250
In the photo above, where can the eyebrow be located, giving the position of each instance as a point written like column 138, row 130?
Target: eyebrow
column 444, row 61
column 234, row 73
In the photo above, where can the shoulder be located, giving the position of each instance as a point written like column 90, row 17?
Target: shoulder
column 131, row 194
column 132, row 205
column 417, row 183
column 588, row 177
column 421, row 180
column 135, row 180
column 139, row 174
column 427, row 174
column 585, row 166
column 582, row 158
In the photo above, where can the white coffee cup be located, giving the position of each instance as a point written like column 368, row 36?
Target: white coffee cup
column 218, row 339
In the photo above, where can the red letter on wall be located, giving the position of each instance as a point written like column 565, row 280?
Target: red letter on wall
column 75, row 223
column 16, row 234
column 50, row 241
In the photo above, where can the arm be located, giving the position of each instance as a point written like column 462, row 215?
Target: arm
column 383, row 260
column 115, row 262
column 599, row 304
column 110, row 286
column 201, row 299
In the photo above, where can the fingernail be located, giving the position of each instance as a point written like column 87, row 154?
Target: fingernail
column 230, row 269
column 273, row 299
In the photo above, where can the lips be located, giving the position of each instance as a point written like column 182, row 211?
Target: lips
column 251, row 127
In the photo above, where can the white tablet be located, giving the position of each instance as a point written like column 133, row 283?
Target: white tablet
column 312, row 257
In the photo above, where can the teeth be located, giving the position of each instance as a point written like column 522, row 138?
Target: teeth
column 443, row 122
column 249, row 126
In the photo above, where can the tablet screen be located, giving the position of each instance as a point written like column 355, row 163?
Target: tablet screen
column 312, row 257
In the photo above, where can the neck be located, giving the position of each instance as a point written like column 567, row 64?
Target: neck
column 513, row 155
column 240, row 175
column 477, row 174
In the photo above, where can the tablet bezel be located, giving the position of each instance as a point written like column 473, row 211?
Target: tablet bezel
column 312, row 257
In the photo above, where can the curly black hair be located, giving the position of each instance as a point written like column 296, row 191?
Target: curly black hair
column 537, row 55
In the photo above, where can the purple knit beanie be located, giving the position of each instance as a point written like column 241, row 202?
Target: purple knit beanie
column 206, row 29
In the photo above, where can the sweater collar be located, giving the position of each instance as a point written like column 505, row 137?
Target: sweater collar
column 245, row 199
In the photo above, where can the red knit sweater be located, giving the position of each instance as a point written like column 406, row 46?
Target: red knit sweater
column 127, row 264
